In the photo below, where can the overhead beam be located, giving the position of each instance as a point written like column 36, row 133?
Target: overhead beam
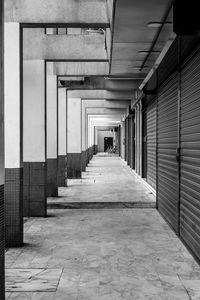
column 105, row 103
column 54, row 11
column 79, row 68
column 101, row 94
column 38, row 45
column 100, row 82
column 102, row 111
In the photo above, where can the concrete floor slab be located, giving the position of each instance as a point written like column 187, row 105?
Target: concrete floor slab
column 106, row 254
column 106, row 183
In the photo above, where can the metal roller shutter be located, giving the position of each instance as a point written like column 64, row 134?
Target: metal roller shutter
column 119, row 143
column 126, row 139
column 190, row 155
column 151, row 144
column 133, row 142
column 167, row 189
column 144, row 141
column 129, row 140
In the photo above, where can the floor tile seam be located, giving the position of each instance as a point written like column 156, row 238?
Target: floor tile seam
column 59, row 279
column 185, row 288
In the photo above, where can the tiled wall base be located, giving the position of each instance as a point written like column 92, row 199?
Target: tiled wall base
column 95, row 149
column 90, row 152
column 14, row 207
column 62, row 170
column 84, row 160
column 52, row 171
column 74, row 165
column 34, row 188
column 87, row 156
column 2, row 244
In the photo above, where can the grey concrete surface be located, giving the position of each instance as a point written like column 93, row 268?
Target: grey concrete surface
column 106, row 180
column 102, row 254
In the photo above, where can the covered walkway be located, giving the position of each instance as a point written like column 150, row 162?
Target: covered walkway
column 79, row 79
column 104, row 254
column 107, row 182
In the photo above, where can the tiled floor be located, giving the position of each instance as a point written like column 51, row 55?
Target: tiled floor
column 102, row 254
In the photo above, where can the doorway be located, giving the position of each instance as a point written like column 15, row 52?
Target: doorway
column 108, row 143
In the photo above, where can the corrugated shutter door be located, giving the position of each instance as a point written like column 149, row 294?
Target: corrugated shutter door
column 144, row 141
column 133, row 142
column 129, row 140
column 190, row 155
column 167, row 189
column 151, row 144
column 126, row 139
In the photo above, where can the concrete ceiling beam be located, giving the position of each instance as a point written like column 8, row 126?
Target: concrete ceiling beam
column 38, row 45
column 114, row 111
column 79, row 68
column 105, row 103
column 105, row 83
column 54, row 11
column 101, row 94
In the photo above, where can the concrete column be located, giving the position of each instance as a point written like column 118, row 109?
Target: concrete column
column 84, row 148
column 62, row 137
column 34, row 145
column 74, row 138
column 2, row 236
column 13, row 138
column 89, row 138
column 116, row 140
column 96, row 140
column 89, row 135
column 51, row 136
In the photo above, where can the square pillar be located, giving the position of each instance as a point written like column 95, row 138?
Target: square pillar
column 13, row 138
column 84, row 149
column 51, row 136
column 74, row 149
column 62, row 137
column 34, row 140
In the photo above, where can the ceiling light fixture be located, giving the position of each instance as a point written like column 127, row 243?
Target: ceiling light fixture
column 147, row 52
column 158, row 24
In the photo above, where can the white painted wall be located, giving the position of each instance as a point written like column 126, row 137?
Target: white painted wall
column 12, row 95
column 34, row 111
column 84, row 121
column 74, row 125
column 62, row 122
column 101, row 136
column 51, row 84
column 90, row 132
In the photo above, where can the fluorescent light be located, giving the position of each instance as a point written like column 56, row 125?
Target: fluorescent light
column 147, row 52
column 158, row 24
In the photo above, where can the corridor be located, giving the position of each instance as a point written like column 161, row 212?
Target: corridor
column 107, row 183
column 105, row 252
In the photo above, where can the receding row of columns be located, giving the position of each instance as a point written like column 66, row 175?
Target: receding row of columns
column 38, row 149
column 45, row 142
column 47, row 134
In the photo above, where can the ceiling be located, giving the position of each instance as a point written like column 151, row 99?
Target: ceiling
column 132, row 34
